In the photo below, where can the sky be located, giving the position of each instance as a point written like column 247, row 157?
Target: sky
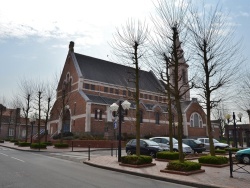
column 35, row 35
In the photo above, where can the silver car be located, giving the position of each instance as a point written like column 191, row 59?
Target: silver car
column 217, row 144
column 164, row 142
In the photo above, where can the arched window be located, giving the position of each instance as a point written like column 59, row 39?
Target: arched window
column 157, row 118
column 184, row 76
column 195, row 120
column 98, row 112
column 141, row 116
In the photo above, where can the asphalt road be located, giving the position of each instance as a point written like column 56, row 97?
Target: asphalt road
column 19, row 169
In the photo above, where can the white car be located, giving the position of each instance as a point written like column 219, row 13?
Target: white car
column 164, row 143
column 217, row 144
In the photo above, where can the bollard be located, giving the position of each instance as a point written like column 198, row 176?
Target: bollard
column 72, row 145
column 231, row 164
column 112, row 149
column 89, row 153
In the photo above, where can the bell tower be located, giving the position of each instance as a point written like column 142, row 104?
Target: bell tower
column 183, row 82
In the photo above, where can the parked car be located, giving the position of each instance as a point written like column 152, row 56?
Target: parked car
column 164, row 142
column 196, row 145
column 217, row 144
column 243, row 156
column 147, row 147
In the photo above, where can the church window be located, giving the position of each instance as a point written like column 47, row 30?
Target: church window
column 124, row 93
column 157, row 118
column 195, row 120
column 141, row 116
column 184, row 76
column 86, row 86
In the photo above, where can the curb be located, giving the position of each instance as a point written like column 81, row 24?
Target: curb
column 199, row 185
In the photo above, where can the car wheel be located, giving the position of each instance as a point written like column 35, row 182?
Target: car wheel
column 152, row 154
column 246, row 159
column 129, row 152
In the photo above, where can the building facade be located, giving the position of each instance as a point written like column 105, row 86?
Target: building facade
column 88, row 86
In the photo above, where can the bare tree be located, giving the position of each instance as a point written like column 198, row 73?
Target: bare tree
column 49, row 97
column 217, row 57
column 130, row 46
column 39, row 90
column 169, row 26
column 26, row 92
column 243, row 94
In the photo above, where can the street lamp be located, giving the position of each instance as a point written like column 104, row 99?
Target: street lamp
column 32, row 121
column 234, row 120
column 114, row 108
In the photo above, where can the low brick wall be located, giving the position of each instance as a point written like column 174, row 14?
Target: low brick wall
column 92, row 143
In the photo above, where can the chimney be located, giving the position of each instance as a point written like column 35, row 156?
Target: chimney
column 71, row 46
column 194, row 100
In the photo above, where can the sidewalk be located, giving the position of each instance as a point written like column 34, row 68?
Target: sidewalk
column 212, row 177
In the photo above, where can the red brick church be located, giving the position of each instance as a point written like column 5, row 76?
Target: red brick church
column 88, row 86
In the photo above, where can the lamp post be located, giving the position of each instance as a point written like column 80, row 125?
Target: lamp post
column 32, row 121
column 114, row 108
column 234, row 120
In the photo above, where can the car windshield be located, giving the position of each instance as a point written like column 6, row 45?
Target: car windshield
column 197, row 142
column 175, row 141
column 215, row 141
column 151, row 143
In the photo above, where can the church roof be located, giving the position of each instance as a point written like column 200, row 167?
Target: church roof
column 116, row 74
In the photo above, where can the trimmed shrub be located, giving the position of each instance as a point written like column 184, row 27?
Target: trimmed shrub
column 185, row 166
column 47, row 143
column 213, row 160
column 232, row 149
column 221, row 151
column 24, row 144
column 16, row 143
column 61, row 145
column 167, row 155
column 37, row 146
column 65, row 134
column 135, row 160
column 1, row 141
column 7, row 139
column 13, row 140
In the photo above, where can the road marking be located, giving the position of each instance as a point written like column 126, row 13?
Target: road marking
column 3, row 154
column 17, row 159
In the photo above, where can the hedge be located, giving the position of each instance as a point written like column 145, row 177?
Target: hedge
column 183, row 166
column 220, row 151
column 61, row 145
column 136, row 160
column 48, row 143
column 167, row 155
column 37, row 146
column 232, row 149
column 213, row 160
column 24, row 144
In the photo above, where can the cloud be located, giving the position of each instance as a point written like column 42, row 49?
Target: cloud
column 84, row 21
column 244, row 14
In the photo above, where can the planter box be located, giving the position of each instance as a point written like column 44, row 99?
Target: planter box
column 215, row 165
column 183, row 173
column 137, row 166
